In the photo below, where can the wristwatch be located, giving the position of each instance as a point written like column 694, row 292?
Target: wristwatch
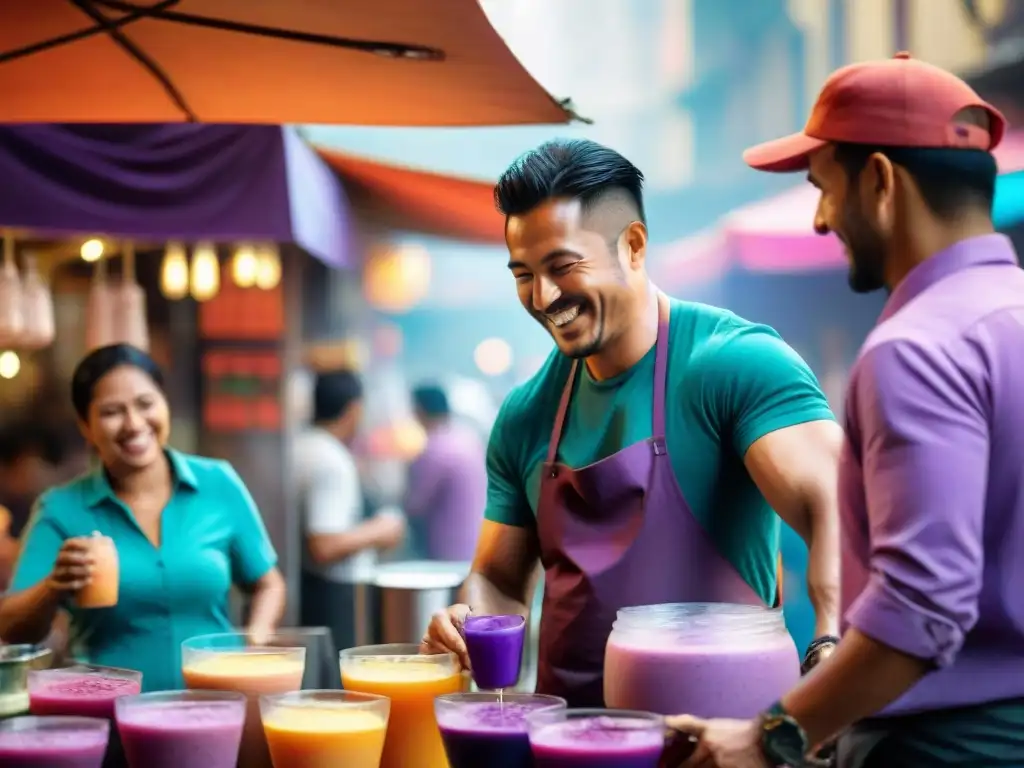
column 783, row 741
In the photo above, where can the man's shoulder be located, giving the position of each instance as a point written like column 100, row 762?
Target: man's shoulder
column 315, row 451
column 712, row 338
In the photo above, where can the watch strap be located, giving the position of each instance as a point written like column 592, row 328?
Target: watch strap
column 783, row 741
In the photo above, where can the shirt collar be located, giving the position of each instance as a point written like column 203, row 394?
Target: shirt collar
column 99, row 489
column 972, row 252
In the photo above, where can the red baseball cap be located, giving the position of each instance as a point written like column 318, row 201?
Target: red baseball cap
column 899, row 102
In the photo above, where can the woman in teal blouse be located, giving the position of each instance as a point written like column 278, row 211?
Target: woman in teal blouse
column 185, row 529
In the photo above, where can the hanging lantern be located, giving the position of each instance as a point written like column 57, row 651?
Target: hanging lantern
column 244, row 265
column 174, row 272
column 12, row 320
column 268, row 267
column 205, row 275
column 129, row 300
column 99, row 315
column 37, row 308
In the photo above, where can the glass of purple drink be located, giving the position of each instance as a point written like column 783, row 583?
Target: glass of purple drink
column 177, row 728
column 495, row 645
column 53, row 742
column 489, row 729
column 595, row 738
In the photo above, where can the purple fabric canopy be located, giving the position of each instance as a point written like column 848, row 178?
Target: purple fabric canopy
column 180, row 181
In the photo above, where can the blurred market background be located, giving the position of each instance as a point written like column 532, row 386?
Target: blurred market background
column 360, row 232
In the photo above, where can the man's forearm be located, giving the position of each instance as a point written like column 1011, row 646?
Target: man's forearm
column 860, row 679
column 485, row 598
column 823, row 571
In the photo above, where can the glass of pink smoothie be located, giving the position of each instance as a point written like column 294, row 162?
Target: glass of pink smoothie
column 80, row 691
column 232, row 662
column 181, row 728
column 53, row 742
column 595, row 738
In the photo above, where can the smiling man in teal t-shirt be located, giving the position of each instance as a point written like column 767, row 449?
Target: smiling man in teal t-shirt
column 652, row 456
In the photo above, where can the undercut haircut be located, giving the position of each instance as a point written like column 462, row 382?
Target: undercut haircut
column 951, row 181
column 574, row 169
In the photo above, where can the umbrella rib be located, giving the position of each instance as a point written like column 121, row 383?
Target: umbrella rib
column 377, row 47
column 82, row 34
column 111, row 28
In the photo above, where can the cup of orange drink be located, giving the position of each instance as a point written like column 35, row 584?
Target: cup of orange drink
column 411, row 680
column 319, row 729
column 102, row 589
column 232, row 662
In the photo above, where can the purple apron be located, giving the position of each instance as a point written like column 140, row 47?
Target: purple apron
column 613, row 534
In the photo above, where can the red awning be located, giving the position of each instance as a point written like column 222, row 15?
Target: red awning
column 357, row 62
column 420, row 201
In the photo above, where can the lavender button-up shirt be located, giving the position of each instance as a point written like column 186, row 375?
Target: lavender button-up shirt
column 931, row 480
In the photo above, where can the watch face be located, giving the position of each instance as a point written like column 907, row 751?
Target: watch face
column 784, row 741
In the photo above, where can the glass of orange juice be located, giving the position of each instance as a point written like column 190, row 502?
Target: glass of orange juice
column 411, row 680
column 313, row 729
column 101, row 591
column 231, row 662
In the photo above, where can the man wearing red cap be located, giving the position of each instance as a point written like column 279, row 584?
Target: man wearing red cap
column 930, row 670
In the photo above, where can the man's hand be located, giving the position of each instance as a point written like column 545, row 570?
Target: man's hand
column 444, row 635
column 391, row 530
column 722, row 743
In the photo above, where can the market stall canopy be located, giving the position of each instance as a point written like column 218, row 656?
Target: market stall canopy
column 154, row 183
column 420, row 201
column 359, row 62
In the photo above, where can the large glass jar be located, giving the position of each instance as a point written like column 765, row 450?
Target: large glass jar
column 703, row 659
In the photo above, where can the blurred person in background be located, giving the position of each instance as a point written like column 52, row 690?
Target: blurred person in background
column 683, row 424
column 341, row 545
column 930, row 670
column 447, row 485
column 185, row 529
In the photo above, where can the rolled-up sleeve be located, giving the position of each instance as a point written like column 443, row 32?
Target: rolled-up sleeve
column 923, row 431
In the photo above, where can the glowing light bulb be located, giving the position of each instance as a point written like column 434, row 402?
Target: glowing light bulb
column 10, row 365
column 92, row 250
column 244, row 266
column 174, row 272
column 205, row 272
column 268, row 268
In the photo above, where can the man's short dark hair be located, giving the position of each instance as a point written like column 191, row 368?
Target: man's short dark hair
column 577, row 169
column 431, row 400
column 334, row 393
column 951, row 180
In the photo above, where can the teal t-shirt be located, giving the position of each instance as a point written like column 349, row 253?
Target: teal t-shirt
column 212, row 536
column 730, row 382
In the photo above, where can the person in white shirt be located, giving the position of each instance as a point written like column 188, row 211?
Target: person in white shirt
column 340, row 543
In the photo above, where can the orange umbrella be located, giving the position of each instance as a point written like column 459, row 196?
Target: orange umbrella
column 420, row 201
column 357, row 62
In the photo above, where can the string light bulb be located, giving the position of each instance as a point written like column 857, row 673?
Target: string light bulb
column 268, row 267
column 10, row 365
column 244, row 266
column 174, row 272
column 205, row 272
column 91, row 250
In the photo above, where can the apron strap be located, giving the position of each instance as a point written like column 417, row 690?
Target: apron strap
column 660, row 376
column 563, row 409
column 661, row 367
